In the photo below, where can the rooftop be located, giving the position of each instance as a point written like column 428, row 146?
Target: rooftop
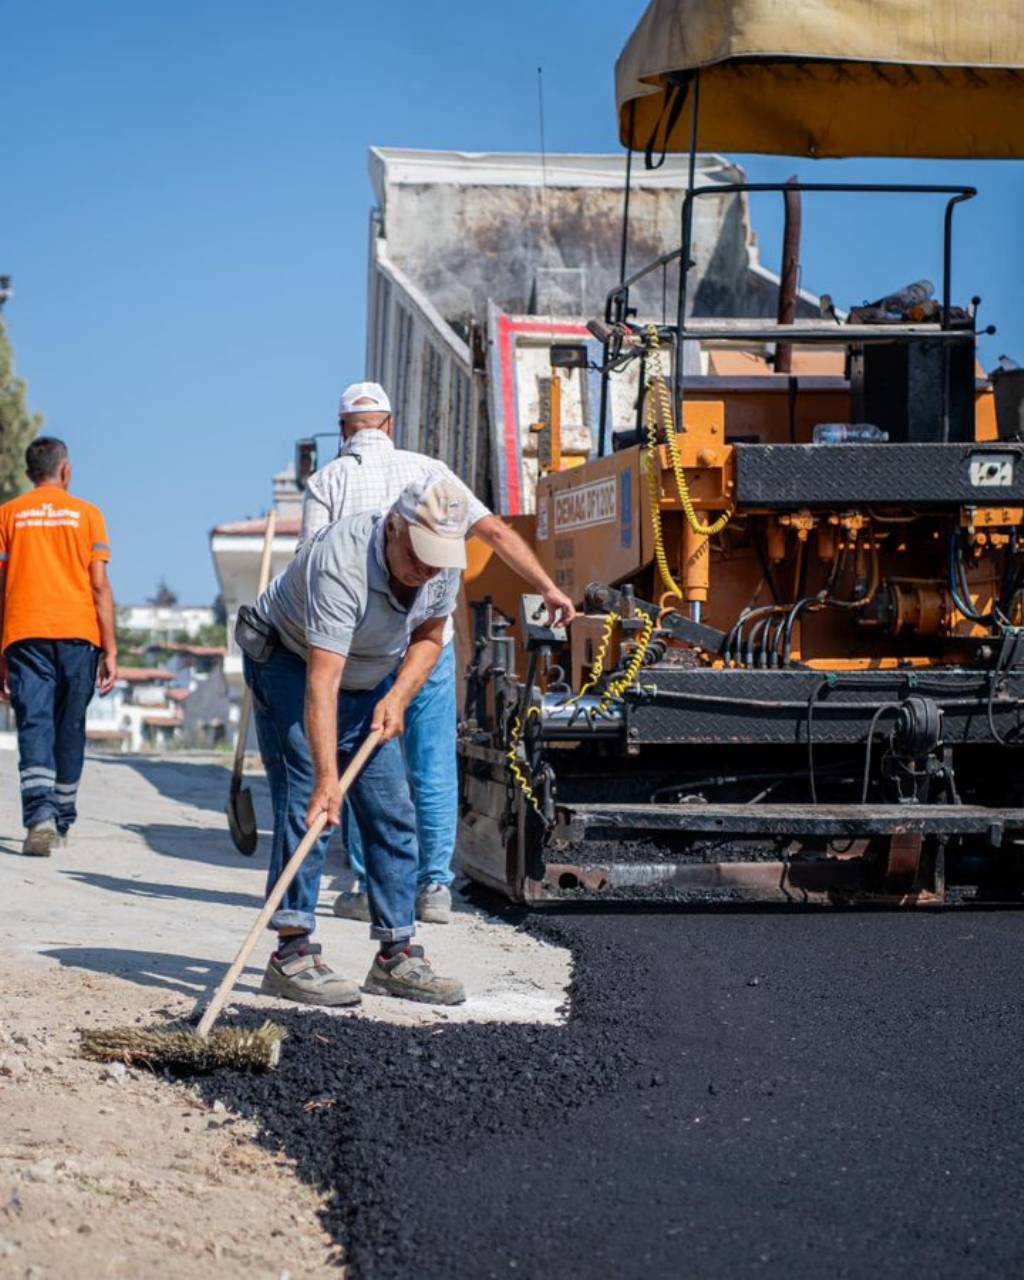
column 246, row 528
column 410, row 166
column 144, row 675
column 193, row 650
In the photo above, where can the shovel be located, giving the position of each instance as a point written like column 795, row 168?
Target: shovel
column 240, row 811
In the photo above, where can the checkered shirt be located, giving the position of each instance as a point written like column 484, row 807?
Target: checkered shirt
column 367, row 476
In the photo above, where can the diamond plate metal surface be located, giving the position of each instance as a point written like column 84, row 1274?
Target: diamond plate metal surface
column 795, row 475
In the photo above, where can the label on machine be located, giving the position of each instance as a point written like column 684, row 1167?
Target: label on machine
column 992, row 470
column 588, row 505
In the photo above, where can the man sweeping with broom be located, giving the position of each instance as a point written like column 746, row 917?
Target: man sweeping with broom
column 340, row 643
column 364, row 605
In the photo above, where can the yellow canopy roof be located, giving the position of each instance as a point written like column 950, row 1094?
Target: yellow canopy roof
column 828, row 77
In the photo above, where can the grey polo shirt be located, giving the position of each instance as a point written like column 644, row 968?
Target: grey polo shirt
column 336, row 595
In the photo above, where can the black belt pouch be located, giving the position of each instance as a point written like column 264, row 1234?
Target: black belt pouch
column 254, row 635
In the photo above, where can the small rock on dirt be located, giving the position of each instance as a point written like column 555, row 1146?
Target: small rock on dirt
column 115, row 1071
column 11, row 1065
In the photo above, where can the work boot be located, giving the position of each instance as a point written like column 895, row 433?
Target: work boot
column 353, row 906
column 303, row 976
column 41, row 839
column 434, row 904
column 409, row 975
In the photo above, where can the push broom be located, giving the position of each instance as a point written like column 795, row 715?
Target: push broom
column 204, row 1049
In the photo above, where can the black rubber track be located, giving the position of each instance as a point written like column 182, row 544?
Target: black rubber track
column 791, row 1094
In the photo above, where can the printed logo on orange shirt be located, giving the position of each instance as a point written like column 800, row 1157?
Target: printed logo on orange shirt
column 47, row 516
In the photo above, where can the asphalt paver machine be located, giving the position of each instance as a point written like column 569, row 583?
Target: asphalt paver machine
column 798, row 669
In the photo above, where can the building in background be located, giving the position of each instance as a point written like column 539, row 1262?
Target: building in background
column 201, row 688
column 236, row 549
column 168, row 620
column 143, row 712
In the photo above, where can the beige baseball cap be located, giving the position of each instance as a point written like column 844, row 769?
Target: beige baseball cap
column 437, row 513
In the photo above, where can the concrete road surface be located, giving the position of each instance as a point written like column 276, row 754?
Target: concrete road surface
column 153, row 891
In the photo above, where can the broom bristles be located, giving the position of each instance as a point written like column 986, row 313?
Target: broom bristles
column 181, row 1049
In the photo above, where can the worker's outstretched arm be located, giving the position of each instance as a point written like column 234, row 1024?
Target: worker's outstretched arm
column 323, row 685
column 420, row 659
column 518, row 556
column 103, row 599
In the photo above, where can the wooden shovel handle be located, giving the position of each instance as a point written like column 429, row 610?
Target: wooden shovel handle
column 281, row 888
column 243, row 720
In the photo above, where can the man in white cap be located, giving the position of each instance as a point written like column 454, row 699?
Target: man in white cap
column 368, row 475
column 339, row 644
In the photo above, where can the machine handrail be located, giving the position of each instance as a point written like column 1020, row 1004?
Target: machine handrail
column 957, row 194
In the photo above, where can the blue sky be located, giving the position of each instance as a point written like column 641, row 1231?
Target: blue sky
column 185, row 210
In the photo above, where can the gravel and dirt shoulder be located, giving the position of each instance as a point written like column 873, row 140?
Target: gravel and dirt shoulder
column 112, row 1173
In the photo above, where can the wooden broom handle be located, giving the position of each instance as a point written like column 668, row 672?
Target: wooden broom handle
column 281, row 888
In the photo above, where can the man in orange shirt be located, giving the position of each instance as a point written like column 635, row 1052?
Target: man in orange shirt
column 56, row 634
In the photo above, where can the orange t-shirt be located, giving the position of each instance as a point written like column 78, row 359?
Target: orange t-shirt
column 48, row 539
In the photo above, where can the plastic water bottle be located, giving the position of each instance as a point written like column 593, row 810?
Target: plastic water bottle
column 911, row 295
column 849, row 433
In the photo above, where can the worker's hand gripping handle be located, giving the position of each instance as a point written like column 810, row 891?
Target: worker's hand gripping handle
column 281, row 888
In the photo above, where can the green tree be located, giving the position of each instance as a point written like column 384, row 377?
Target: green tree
column 129, row 647
column 18, row 427
column 214, row 634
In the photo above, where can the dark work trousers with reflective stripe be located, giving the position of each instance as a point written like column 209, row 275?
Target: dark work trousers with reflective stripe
column 51, row 683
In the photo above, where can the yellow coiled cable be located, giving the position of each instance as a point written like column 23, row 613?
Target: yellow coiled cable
column 628, row 678
column 516, row 769
column 614, row 692
column 656, row 386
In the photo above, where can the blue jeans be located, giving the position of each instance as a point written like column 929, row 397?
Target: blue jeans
column 380, row 798
column 52, row 683
column 429, row 744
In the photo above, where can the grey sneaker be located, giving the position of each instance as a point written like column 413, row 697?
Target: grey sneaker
column 410, row 976
column 41, row 840
column 305, row 978
column 352, row 906
column 434, row 904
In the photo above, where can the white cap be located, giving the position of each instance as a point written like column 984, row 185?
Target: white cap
column 371, row 391
column 437, row 513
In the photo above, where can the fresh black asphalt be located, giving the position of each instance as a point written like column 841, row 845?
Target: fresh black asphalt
column 736, row 1093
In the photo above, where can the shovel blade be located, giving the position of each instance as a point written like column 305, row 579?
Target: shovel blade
column 242, row 821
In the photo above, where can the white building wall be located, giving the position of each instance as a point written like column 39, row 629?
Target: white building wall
column 423, row 364
column 167, row 620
